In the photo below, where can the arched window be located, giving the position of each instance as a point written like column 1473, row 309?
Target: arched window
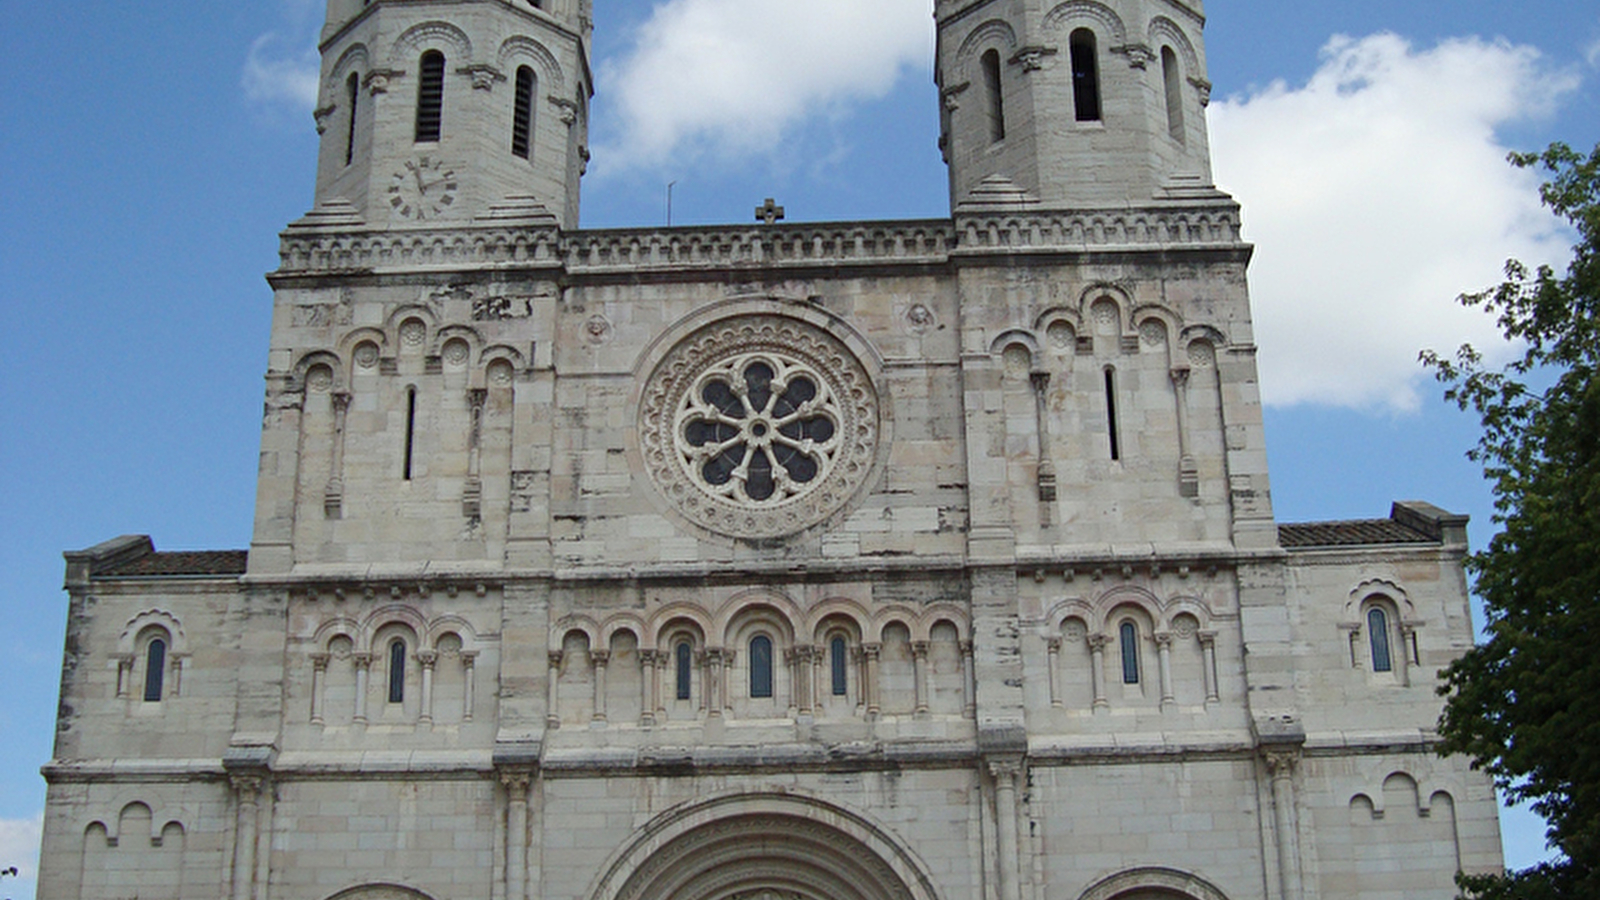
column 397, row 671
column 522, row 114
column 155, row 667
column 1172, row 77
column 1111, row 413
column 760, row 666
column 685, row 668
column 1129, row 634
column 994, row 96
column 430, row 97
column 352, row 91
column 1378, row 636
column 840, row 665
column 1085, row 76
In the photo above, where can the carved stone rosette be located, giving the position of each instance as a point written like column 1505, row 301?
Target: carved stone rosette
column 759, row 426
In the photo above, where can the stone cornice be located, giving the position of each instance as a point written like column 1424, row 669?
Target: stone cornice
column 317, row 249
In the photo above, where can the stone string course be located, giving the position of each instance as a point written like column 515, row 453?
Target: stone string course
column 311, row 250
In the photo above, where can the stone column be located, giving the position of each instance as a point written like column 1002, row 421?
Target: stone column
column 469, row 698
column 1164, row 659
column 919, row 673
column 665, row 660
column 1047, row 466
column 472, row 493
column 1052, row 646
column 333, row 495
column 713, row 699
column 319, row 685
column 648, row 688
column 178, row 663
column 871, row 652
column 1281, row 764
column 1188, row 472
column 552, row 716
column 124, row 674
column 363, row 664
column 247, row 791
column 969, row 680
column 1005, row 813
column 1208, row 650
column 1097, row 667
column 425, row 661
column 516, row 784
column 600, row 658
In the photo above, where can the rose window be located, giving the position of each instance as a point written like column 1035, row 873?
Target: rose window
column 757, row 429
column 759, row 426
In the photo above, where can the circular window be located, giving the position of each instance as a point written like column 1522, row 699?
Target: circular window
column 759, row 427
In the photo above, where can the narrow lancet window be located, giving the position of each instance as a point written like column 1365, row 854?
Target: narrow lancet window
column 1172, row 77
column 411, row 429
column 840, row 664
column 155, row 667
column 1378, row 634
column 352, row 94
column 1085, row 76
column 430, row 97
column 760, row 666
column 1129, row 634
column 1111, row 413
column 397, row 671
column 685, row 666
column 522, row 114
column 994, row 96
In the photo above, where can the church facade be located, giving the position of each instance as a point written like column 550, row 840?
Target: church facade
column 900, row 560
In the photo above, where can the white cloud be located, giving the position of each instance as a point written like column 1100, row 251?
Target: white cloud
column 276, row 74
column 1379, row 192
column 735, row 75
column 19, row 846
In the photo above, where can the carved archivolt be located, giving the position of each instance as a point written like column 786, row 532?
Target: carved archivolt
column 763, row 847
column 1154, row 882
column 759, row 426
column 380, row 892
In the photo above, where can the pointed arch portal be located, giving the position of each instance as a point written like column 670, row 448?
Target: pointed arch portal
column 763, row 847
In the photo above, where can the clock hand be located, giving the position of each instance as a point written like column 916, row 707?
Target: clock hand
column 417, row 174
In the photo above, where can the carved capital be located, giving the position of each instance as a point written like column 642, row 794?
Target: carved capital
column 483, row 76
column 647, row 658
column 321, row 114
column 555, row 657
column 247, row 787
column 871, row 651
column 952, row 95
column 600, row 657
column 919, row 649
column 1052, row 644
column 361, row 660
column 1207, row 638
column 1031, row 59
column 516, row 784
column 1139, row 55
column 469, row 658
column 426, row 658
column 1099, row 641
column 1281, row 761
column 377, row 80
column 566, row 110
column 1163, row 638
column 319, row 661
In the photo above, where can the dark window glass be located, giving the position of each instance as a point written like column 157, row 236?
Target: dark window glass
column 841, row 671
column 411, row 429
column 1111, row 413
column 994, row 96
column 522, row 114
column 685, row 666
column 761, row 666
column 1085, row 76
column 352, row 94
column 397, row 671
column 155, row 667
column 430, row 97
column 1378, row 634
column 1130, row 653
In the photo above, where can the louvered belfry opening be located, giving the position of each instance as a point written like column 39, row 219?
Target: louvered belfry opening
column 430, row 97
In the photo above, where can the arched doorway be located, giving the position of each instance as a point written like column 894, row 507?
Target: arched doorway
column 763, row 847
column 380, row 892
column 1154, row 883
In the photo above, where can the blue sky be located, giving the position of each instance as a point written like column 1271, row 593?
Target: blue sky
column 151, row 152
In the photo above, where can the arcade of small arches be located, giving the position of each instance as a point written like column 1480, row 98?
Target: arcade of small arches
column 416, row 670
column 762, row 658
column 1101, row 654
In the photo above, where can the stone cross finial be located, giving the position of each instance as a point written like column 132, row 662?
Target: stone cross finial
column 769, row 212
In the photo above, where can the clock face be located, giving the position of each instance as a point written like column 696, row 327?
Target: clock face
column 425, row 189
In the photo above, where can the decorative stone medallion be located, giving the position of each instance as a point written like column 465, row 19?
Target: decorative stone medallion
column 759, row 426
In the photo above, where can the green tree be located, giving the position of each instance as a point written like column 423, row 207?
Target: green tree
column 1525, row 705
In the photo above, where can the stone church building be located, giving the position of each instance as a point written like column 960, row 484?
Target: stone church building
column 891, row 560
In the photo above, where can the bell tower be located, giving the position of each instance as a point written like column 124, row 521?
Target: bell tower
column 447, row 111
column 1074, row 104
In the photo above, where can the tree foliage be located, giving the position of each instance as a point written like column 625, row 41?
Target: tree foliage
column 1525, row 705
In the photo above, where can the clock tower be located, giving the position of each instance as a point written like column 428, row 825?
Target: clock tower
column 437, row 113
